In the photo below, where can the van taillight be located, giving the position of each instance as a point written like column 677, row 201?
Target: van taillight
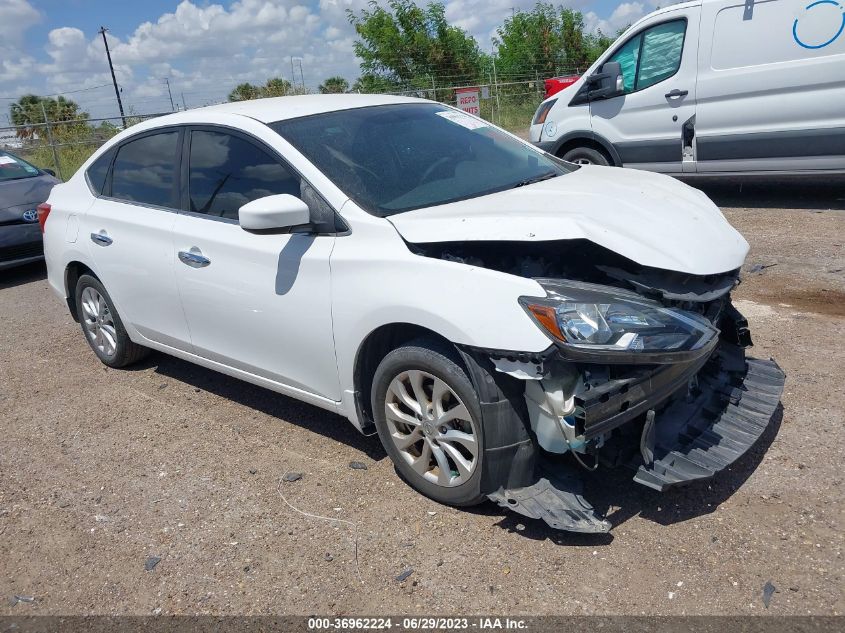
column 43, row 212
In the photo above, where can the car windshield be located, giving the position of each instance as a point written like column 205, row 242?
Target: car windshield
column 13, row 168
column 396, row 158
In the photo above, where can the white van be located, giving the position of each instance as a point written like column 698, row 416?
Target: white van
column 711, row 87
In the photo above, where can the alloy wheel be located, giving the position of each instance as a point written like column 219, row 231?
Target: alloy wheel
column 98, row 321
column 432, row 428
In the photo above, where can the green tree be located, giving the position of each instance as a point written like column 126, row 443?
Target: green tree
column 597, row 43
column 27, row 112
column 408, row 44
column 276, row 87
column 334, row 85
column 368, row 83
column 245, row 92
column 546, row 40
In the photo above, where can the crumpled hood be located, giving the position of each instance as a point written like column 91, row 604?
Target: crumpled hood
column 649, row 218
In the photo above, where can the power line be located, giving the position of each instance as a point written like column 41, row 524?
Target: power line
column 61, row 94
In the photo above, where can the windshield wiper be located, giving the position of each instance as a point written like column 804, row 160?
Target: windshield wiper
column 531, row 181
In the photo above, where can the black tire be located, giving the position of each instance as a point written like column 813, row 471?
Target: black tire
column 125, row 351
column 442, row 361
column 586, row 156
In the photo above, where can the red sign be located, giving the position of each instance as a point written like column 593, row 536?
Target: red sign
column 467, row 99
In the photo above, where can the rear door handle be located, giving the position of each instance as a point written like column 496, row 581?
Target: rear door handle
column 101, row 238
column 672, row 94
column 194, row 258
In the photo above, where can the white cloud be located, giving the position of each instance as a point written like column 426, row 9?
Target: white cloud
column 16, row 18
column 205, row 47
column 623, row 15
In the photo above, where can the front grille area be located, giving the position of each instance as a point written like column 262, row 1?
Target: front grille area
column 21, row 251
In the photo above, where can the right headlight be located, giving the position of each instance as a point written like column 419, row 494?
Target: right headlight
column 543, row 112
column 593, row 322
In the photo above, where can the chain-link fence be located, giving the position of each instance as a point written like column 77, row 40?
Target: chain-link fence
column 509, row 101
column 62, row 146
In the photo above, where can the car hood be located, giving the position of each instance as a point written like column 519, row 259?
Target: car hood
column 23, row 192
column 649, row 218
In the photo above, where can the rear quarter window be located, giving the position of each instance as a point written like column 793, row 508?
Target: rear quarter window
column 98, row 172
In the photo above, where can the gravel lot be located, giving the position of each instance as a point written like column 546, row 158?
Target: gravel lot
column 102, row 469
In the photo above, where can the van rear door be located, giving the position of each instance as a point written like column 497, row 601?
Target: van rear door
column 771, row 86
column 646, row 124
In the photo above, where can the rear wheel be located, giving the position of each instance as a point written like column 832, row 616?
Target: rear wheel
column 102, row 326
column 428, row 418
column 586, row 156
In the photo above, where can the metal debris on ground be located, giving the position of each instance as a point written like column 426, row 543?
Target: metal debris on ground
column 292, row 477
column 151, row 562
column 759, row 268
column 768, row 591
column 358, row 465
column 329, row 557
column 404, row 575
column 253, row 471
column 15, row 599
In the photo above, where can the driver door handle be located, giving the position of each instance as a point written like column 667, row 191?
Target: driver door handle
column 194, row 258
column 101, row 238
column 672, row 94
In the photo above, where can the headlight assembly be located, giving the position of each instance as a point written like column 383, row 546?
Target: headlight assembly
column 600, row 323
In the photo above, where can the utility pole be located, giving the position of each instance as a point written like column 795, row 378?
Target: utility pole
column 102, row 32
column 170, row 94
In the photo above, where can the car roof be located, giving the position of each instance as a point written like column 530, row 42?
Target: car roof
column 281, row 108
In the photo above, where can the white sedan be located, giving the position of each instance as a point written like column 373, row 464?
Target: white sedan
column 501, row 317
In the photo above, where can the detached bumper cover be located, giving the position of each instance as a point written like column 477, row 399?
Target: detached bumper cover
column 698, row 437
column 698, row 432
column 556, row 500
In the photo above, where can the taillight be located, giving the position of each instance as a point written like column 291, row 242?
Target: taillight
column 43, row 212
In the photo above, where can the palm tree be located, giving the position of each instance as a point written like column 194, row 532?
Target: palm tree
column 334, row 85
column 29, row 111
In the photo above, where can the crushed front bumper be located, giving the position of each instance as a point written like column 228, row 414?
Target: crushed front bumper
column 704, row 433
column 701, row 417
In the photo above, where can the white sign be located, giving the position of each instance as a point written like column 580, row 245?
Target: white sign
column 469, row 122
column 468, row 100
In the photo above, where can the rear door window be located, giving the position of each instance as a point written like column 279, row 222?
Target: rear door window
column 145, row 170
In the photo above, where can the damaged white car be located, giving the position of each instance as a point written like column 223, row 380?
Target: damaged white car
column 503, row 319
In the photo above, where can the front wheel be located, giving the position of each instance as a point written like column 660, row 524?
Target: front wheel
column 428, row 417
column 585, row 156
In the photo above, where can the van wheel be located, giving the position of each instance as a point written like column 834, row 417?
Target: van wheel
column 586, row 156
column 428, row 418
column 102, row 326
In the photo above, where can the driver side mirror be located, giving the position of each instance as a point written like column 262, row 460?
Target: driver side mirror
column 609, row 82
column 282, row 211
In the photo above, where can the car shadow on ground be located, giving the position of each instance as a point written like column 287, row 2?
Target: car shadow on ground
column 809, row 192
column 612, row 492
column 301, row 414
column 21, row 275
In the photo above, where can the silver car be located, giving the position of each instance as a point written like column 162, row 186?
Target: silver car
column 22, row 188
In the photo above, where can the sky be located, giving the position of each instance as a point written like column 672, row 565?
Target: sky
column 204, row 48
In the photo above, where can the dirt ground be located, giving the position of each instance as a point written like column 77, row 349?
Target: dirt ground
column 101, row 470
